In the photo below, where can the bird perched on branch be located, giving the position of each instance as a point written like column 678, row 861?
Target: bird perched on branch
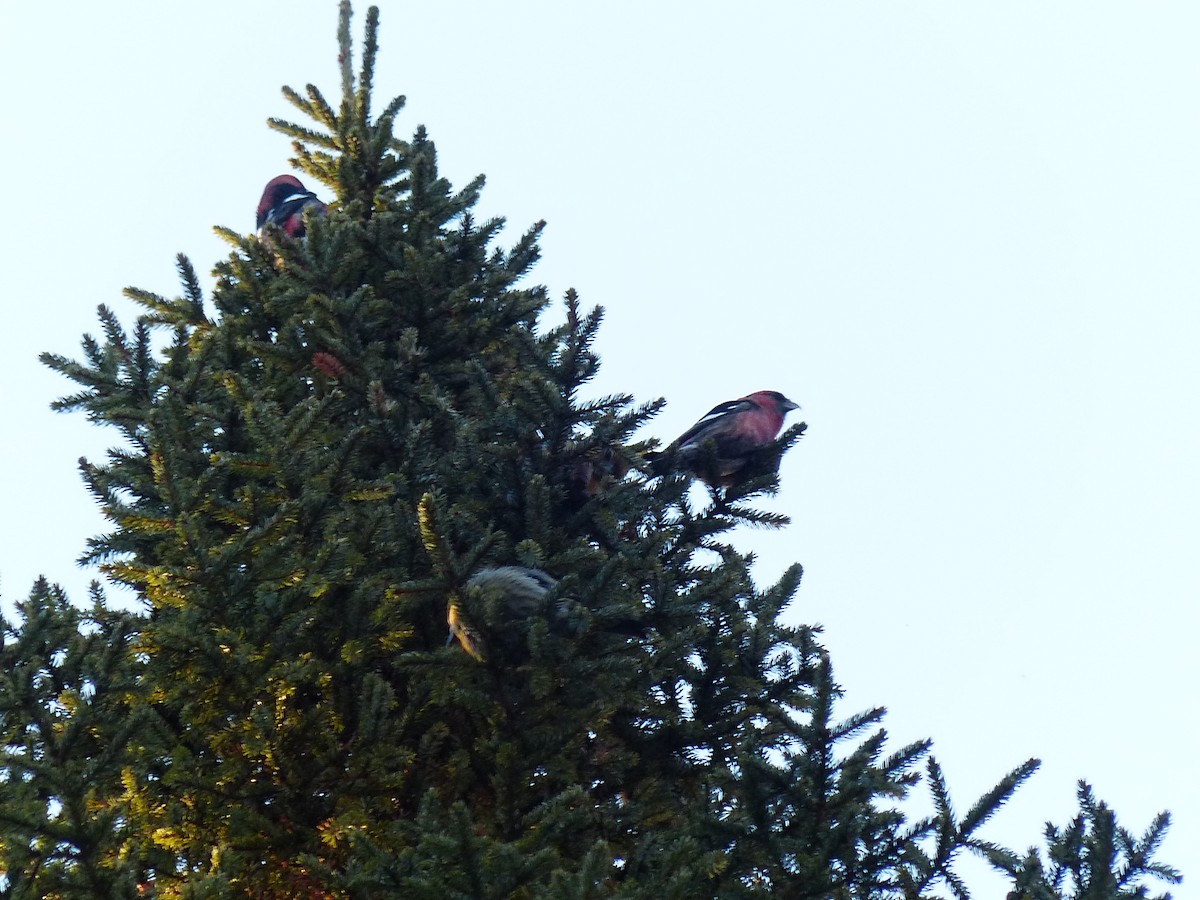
column 284, row 201
column 509, row 593
column 504, row 596
column 718, row 448
column 591, row 471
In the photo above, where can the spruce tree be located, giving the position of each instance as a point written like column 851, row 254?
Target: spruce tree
column 318, row 459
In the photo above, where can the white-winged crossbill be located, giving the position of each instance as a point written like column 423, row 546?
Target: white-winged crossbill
column 718, row 447
column 283, row 204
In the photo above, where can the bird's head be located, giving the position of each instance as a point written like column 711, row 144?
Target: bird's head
column 773, row 400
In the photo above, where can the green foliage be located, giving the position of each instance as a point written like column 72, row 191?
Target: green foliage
column 68, row 713
column 315, row 461
column 1093, row 857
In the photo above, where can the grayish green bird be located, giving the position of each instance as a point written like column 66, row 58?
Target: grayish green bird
column 506, row 593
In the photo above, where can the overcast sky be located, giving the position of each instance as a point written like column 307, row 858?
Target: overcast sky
column 963, row 239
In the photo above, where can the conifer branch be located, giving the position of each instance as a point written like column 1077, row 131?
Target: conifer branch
column 305, row 135
column 367, row 73
column 318, row 107
column 345, row 53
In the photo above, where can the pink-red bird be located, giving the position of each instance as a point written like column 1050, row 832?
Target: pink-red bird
column 283, row 203
column 717, row 448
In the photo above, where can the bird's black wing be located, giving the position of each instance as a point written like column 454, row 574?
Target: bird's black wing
column 714, row 421
column 289, row 207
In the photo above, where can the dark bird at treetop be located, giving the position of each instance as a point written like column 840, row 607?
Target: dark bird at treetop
column 592, row 471
column 284, row 201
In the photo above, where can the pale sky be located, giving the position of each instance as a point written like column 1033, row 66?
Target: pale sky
column 963, row 239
